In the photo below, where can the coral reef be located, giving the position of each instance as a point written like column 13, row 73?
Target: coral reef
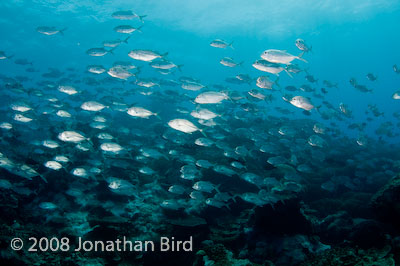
column 352, row 257
column 217, row 255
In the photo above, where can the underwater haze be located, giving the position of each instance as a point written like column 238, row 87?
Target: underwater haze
column 256, row 133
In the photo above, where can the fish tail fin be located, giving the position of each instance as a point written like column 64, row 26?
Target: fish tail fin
column 179, row 67
column 241, row 64
column 90, row 141
column 300, row 57
column 234, row 198
column 227, row 206
column 310, row 49
column 203, row 133
column 43, row 178
column 126, row 40
column 317, row 108
column 158, row 116
column 164, row 55
column 287, row 72
column 129, row 156
column 139, row 29
column 112, row 50
column 139, row 69
column 141, row 18
column 223, row 118
column 62, row 31
column 276, row 82
column 11, row 56
column 230, row 45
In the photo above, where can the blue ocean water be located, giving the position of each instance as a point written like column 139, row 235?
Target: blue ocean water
column 357, row 155
column 348, row 39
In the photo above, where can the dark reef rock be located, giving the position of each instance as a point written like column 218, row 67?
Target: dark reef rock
column 283, row 218
column 368, row 234
column 386, row 202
